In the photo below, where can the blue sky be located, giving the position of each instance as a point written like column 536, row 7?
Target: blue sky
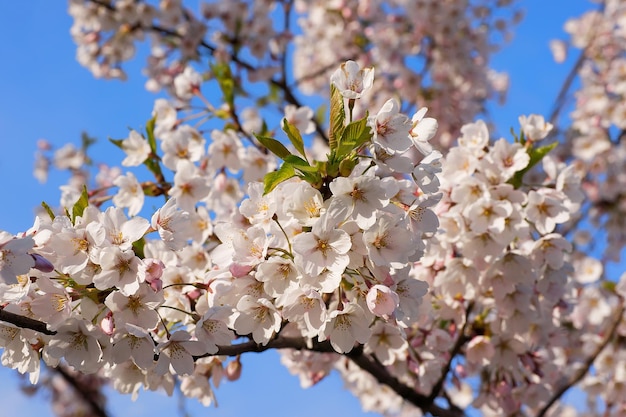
column 45, row 93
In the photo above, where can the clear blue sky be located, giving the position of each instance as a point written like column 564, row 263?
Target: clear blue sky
column 45, row 93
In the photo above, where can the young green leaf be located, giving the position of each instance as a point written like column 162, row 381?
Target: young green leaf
column 300, row 164
column 150, row 134
column 48, row 210
column 274, row 146
column 337, row 117
column 80, row 205
column 294, row 136
column 536, row 155
column 272, row 179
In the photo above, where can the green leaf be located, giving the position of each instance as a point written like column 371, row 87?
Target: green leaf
column 272, row 179
column 224, row 77
column 337, row 117
column 80, row 205
column 354, row 135
column 138, row 247
column 294, row 136
column 320, row 114
column 48, row 210
column 357, row 131
column 150, row 134
column 274, row 146
column 117, row 142
column 536, row 155
column 300, row 164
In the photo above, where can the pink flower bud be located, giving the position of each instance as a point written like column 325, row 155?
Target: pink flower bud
column 233, row 370
column 107, row 324
column 150, row 271
column 381, row 300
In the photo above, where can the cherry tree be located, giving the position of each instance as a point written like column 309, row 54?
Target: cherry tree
column 319, row 181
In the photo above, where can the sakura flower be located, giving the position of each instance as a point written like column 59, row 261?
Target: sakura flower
column 346, row 327
column 304, row 203
column 212, row 329
column 277, row 274
column 425, row 173
column 133, row 342
column 18, row 353
column 119, row 269
column 423, row 129
column 189, row 186
column 559, row 50
column 77, row 341
column 257, row 316
column 130, row 193
column 324, row 247
column 188, row 83
column 588, row 270
column 306, row 305
column 387, row 343
column 258, row 207
column 121, row 231
column 480, row 350
column 150, row 271
column 591, row 308
column 389, row 242
column 138, row 309
column 535, row 127
column 546, row 209
column 172, row 224
column 301, row 118
column 184, row 143
column 176, row 354
column 137, row 149
column 409, row 290
column 474, row 137
column 225, row 150
column 166, row 118
column 54, row 305
column 486, row 214
column 391, row 128
column 14, row 257
column 69, row 157
column 509, row 158
column 362, row 196
column 351, row 80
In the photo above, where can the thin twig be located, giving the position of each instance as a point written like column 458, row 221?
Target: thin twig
column 460, row 341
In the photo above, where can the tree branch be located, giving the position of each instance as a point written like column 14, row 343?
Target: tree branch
column 25, row 322
column 86, row 395
column 578, row 376
column 409, row 394
column 460, row 341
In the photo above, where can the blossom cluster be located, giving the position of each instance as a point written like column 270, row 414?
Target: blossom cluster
column 449, row 44
column 459, row 277
column 145, row 301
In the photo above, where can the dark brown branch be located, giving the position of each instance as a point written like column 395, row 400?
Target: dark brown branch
column 460, row 341
column 298, row 343
column 85, row 395
column 25, row 322
column 406, row 392
column 578, row 376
